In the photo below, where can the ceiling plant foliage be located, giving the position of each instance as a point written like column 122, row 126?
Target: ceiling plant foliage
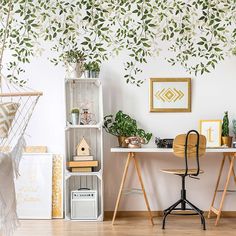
column 198, row 33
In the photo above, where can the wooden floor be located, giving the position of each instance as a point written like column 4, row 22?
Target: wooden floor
column 139, row 226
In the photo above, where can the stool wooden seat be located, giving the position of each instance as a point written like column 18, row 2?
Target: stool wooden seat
column 181, row 171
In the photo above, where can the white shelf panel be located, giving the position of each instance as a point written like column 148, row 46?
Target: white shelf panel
column 100, row 218
column 83, row 80
column 94, row 173
column 98, row 126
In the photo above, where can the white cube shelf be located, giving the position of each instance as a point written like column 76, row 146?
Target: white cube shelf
column 82, row 93
column 93, row 138
column 92, row 182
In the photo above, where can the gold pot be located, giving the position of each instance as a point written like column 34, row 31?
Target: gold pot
column 227, row 140
column 122, row 143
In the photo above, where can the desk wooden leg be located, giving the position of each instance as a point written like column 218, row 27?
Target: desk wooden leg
column 121, row 186
column 225, row 190
column 216, row 188
column 142, row 186
column 232, row 170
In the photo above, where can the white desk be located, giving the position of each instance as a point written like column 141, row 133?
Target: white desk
column 229, row 153
column 166, row 150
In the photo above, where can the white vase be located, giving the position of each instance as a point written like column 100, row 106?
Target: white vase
column 75, row 118
column 87, row 74
column 74, row 70
column 79, row 69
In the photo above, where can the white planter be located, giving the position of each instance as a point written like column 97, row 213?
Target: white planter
column 94, row 74
column 87, row 74
column 75, row 118
column 74, row 70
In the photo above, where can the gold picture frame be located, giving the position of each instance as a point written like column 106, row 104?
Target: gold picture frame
column 212, row 130
column 170, row 95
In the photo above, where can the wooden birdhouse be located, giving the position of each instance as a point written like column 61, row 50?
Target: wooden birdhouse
column 83, row 148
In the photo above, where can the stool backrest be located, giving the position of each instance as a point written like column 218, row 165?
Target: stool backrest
column 180, row 141
column 190, row 145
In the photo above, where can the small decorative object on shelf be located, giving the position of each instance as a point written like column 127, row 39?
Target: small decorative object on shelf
column 83, row 158
column 83, row 148
column 82, row 166
column 92, row 70
column 75, row 116
column 87, row 118
column 74, row 61
column 226, row 139
column 123, row 126
column 83, row 162
column 164, row 143
column 134, row 142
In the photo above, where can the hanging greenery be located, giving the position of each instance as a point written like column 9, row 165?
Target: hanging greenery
column 198, row 33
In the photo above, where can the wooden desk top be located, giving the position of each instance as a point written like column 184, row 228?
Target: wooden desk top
column 166, row 150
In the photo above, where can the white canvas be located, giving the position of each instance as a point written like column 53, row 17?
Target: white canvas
column 34, row 187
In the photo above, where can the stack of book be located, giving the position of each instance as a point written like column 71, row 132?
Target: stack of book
column 82, row 164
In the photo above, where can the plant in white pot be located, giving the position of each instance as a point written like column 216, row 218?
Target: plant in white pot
column 74, row 61
column 92, row 69
column 95, row 70
column 75, row 116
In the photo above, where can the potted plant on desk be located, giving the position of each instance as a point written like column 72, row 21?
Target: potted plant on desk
column 226, row 139
column 123, row 126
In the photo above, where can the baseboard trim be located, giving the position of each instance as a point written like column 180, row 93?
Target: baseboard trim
column 109, row 214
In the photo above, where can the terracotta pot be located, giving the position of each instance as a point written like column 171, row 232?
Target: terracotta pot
column 122, row 143
column 227, row 140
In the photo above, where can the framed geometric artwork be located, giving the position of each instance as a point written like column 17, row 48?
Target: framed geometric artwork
column 212, row 130
column 170, row 95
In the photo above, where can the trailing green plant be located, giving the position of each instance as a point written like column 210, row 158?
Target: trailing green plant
column 198, row 33
column 123, row 125
column 73, row 56
column 75, row 110
column 225, row 125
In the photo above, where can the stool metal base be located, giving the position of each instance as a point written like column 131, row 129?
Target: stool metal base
column 183, row 202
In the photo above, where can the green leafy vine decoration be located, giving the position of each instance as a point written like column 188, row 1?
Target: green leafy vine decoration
column 197, row 33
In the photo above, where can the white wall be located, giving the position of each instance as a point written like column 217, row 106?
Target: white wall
column 211, row 96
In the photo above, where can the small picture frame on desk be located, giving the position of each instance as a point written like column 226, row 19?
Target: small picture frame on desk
column 212, row 130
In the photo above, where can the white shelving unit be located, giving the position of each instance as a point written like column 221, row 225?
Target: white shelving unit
column 80, row 93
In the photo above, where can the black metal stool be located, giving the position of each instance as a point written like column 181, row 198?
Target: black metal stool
column 187, row 146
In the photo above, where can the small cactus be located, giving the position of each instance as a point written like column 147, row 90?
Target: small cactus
column 225, row 125
column 75, row 110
